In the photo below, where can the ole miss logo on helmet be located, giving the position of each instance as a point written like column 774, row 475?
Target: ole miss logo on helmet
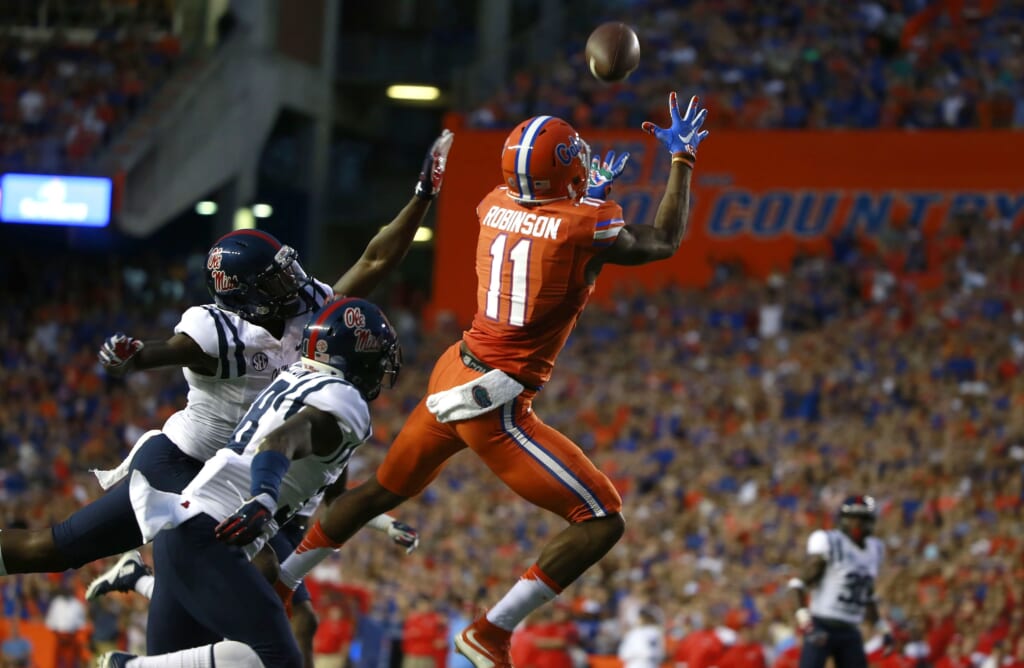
column 354, row 319
column 221, row 281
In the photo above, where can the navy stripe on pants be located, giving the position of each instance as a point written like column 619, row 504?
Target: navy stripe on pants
column 220, row 593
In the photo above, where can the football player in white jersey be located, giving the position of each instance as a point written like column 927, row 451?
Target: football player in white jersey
column 295, row 440
column 229, row 351
column 839, row 577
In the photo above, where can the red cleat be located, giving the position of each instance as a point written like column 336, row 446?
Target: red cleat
column 485, row 645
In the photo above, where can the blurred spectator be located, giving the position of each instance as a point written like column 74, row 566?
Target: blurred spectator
column 105, row 615
column 333, row 638
column 643, row 646
column 555, row 639
column 16, row 649
column 66, row 617
column 794, row 64
column 63, row 94
column 424, row 636
column 460, row 615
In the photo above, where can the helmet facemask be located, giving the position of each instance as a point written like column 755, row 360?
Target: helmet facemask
column 280, row 288
column 857, row 517
column 578, row 190
column 386, row 375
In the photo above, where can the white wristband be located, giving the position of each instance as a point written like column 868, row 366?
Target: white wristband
column 381, row 522
column 796, row 583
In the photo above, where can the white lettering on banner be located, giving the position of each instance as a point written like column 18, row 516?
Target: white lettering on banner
column 51, row 205
column 522, row 222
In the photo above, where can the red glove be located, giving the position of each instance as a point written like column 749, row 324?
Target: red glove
column 429, row 183
column 118, row 349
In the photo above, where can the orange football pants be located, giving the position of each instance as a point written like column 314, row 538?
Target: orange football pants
column 536, row 461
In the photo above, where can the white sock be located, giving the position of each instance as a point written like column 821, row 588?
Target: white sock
column 144, row 585
column 3, row 568
column 225, row 654
column 533, row 590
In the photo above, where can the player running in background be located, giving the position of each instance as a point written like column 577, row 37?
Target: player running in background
column 840, row 571
column 295, row 440
column 228, row 351
column 544, row 237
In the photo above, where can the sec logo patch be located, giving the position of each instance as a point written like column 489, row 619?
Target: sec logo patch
column 260, row 361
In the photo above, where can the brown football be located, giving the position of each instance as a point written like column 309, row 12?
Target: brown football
column 613, row 51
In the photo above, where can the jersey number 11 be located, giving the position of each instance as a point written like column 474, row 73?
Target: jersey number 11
column 519, row 257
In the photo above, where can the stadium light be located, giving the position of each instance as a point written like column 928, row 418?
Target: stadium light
column 206, row 208
column 413, row 92
column 423, row 234
column 244, row 219
column 262, row 210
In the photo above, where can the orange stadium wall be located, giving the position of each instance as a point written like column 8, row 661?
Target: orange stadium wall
column 758, row 197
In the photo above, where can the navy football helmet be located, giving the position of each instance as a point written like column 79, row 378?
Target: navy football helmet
column 249, row 272
column 857, row 516
column 352, row 338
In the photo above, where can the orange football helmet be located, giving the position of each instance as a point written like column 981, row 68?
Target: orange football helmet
column 544, row 159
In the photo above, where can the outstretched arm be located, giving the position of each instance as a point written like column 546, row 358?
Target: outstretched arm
column 640, row 244
column 391, row 244
column 121, row 354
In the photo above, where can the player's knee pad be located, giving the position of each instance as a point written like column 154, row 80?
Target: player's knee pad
column 232, row 654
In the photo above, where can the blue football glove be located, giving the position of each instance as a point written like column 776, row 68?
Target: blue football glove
column 603, row 174
column 247, row 523
column 404, row 535
column 684, row 135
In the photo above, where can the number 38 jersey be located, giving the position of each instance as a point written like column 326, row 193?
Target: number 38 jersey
column 849, row 581
column 531, row 278
column 225, row 479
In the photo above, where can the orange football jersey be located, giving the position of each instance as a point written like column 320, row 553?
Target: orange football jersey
column 531, row 278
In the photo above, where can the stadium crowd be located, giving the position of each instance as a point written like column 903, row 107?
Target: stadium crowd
column 62, row 96
column 792, row 64
column 732, row 418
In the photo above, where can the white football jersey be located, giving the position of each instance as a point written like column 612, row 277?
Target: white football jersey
column 248, row 359
column 848, row 585
column 225, row 479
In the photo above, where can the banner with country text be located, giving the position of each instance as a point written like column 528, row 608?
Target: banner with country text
column 758, row 197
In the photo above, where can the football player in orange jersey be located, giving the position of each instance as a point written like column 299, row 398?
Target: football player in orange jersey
column 545, row 233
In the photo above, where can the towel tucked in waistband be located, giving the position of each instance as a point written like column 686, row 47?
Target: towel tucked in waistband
column 481, row 395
